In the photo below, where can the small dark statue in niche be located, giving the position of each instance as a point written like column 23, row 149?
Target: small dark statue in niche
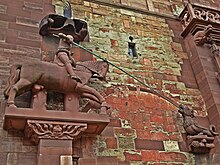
column 200, row 139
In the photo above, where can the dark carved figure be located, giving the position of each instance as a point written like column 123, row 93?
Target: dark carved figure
column 197, row 135
column 50, row 76
column 202, row 37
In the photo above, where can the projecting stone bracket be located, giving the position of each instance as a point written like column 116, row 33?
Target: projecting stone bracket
column 200, row 143
column 195, row 19
column 36, row 130
column 49, row 121
column 200, row 139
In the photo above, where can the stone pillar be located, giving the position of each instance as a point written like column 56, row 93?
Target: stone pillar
column 51, row 151
column 54, row 140
column 198, row 29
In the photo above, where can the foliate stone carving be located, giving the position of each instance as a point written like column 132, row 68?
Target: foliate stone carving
column 198, row 12
column 200, row 139
column 207, row 14
column 36, row 130
column 195, row 18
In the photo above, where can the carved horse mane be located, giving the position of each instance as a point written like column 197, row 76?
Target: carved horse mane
column 93, row 66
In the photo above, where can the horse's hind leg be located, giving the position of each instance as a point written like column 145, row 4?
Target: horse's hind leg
column 16, row 87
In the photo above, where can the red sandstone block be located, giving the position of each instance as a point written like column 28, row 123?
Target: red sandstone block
column 125, row 132
column 133, row 155
column 170, row 128
column 172, row 156
column 115, row 123
column 150, row 156
column 157, row 119
column 159, row 136
column 83, row 161
column 27, row 158
column 142, row 144
column 13, row 25
column 17, row 41
column 33, row 7
column 48, row 8
column 108, row 132
column 143, row 134
column 106, row 160
column 17, row 11
column 111, row 143
column 7, row 18
column 157, row 164
column 123, row 163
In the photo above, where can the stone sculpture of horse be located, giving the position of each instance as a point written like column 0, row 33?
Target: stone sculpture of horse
column 50, row 76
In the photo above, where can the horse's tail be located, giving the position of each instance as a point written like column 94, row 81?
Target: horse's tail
column 212, row 129
column 14, row 77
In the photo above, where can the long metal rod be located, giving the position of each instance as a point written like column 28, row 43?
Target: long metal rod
column 135, row 78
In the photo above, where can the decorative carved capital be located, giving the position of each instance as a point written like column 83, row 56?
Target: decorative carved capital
column 36, row 130
column 196, row 18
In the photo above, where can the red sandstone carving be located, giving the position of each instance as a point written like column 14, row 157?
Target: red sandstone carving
column 202, row 37
column 198, row 136
column 195, row 18
column 36, row 130
column 53, row 77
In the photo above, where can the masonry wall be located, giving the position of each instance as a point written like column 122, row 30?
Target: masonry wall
column 144, row 128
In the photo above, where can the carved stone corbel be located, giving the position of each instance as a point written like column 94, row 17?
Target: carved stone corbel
column 195, row 19
column 36, row 130
column 202, row 37
column 199, row 139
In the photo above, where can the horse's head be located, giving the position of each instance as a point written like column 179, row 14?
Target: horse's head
column 101, row 70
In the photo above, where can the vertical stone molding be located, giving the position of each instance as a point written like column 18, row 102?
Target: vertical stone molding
column 201, row 35
column 36, row 130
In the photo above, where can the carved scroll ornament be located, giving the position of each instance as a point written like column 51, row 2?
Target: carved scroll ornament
column 197, row 12
column 36, row 130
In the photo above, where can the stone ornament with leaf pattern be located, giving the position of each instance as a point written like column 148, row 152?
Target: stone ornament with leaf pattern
column 36, row 130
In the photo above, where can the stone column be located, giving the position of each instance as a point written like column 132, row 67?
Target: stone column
column 54, row 140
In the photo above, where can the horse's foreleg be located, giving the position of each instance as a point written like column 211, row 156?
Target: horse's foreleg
column 91, row 104
column 90, row 96
column 14, row 90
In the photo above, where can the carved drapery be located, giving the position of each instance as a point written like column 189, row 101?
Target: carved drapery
column 36, row 130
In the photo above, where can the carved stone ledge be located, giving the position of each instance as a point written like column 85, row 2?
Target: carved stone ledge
column 36, row 130
column 195, row 18
column 200, row 143
column 17, row 118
